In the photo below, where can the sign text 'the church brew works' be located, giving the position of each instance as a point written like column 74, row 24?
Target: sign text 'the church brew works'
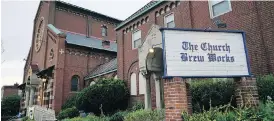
column 199, row 53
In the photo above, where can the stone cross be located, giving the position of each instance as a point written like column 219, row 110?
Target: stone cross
column 61, row 51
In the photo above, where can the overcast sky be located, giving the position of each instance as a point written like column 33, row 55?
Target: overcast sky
column 17, row 24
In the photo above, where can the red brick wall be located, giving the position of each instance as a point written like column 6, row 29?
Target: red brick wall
column 38, row 57
column 194, row 14
column 85, row 24
column 10, row 91
column 68, row 21
column 77, row 65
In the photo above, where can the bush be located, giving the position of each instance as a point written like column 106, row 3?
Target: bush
column 138, row 106
column 68, row 113
column 111, row 94
column 206, row 93
column 88, row 118
column 145, row 115
column 118, row 116
column 229, row 113
column 70, row 102
column 265, row 87
column 10, row 105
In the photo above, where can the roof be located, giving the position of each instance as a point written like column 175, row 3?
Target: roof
column 143, row 10
column 90, row 42
column 106, row 68
column 115, row 20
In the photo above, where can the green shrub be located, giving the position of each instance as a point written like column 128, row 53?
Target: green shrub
column 88, row 118
column 265, row 87
column 229, row 113
column 70, row 102
column 211, row 92
column 68, row 113
column 145, row 115
column 10, row 105
column 138, row 106
column 118, row 116
column 111, row 94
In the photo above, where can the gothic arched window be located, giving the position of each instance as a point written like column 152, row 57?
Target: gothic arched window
column 74, row 83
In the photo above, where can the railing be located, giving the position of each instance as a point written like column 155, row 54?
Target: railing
column 43, row 114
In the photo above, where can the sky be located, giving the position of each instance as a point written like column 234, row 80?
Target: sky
column 17, row 24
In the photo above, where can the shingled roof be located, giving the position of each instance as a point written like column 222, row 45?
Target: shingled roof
column 106, row 68
column 140, row 12
column 90, row 42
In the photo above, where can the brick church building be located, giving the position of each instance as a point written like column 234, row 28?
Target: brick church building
column 140, row 32
column 68, row 46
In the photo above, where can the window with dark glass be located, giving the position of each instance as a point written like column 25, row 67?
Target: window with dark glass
column 104, row 31
column 74, row 83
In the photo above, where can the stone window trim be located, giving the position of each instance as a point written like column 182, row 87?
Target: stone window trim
column 166, row 21
column 39, row 34
column 211, row 4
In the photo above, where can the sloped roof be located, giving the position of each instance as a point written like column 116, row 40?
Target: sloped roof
column 90, row 42
column 140, row 12
column 103, row 69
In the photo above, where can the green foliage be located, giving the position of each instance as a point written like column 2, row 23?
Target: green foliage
column 266, row 87
column 118, row 116
column 138, row 106
column 68, row 113
column 10, row 105
column 228, row 113
column 209, row 92
column 70, row 102
column 145, row 115
column 88, row 118
column 112, row 94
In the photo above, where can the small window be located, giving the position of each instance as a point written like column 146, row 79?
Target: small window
column 74, row 83
column 133, row 89
column 169, row 21
column 136, row 39
column 219, row 7
column 104, row 31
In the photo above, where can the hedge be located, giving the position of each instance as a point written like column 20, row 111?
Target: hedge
column 10, row 105
column 68, row 113
column 209, row 92
column 266, row 87
column 110, row 94
column 228, row 113
column 69, row 103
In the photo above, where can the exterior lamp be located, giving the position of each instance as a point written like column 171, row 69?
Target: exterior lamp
column 151, row 50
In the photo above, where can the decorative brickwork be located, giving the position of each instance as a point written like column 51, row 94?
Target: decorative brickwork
column 246, row 92
column 177, row 98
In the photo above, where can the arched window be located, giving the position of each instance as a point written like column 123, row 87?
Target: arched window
column 142, row 84
column 104, row 31
column 74, row 83
column 133, row 86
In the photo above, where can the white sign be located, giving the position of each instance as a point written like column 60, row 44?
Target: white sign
column 199, row 53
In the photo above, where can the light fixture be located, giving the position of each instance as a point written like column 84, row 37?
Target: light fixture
column 151, row 50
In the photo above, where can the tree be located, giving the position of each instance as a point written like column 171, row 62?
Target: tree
column 10, row 105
